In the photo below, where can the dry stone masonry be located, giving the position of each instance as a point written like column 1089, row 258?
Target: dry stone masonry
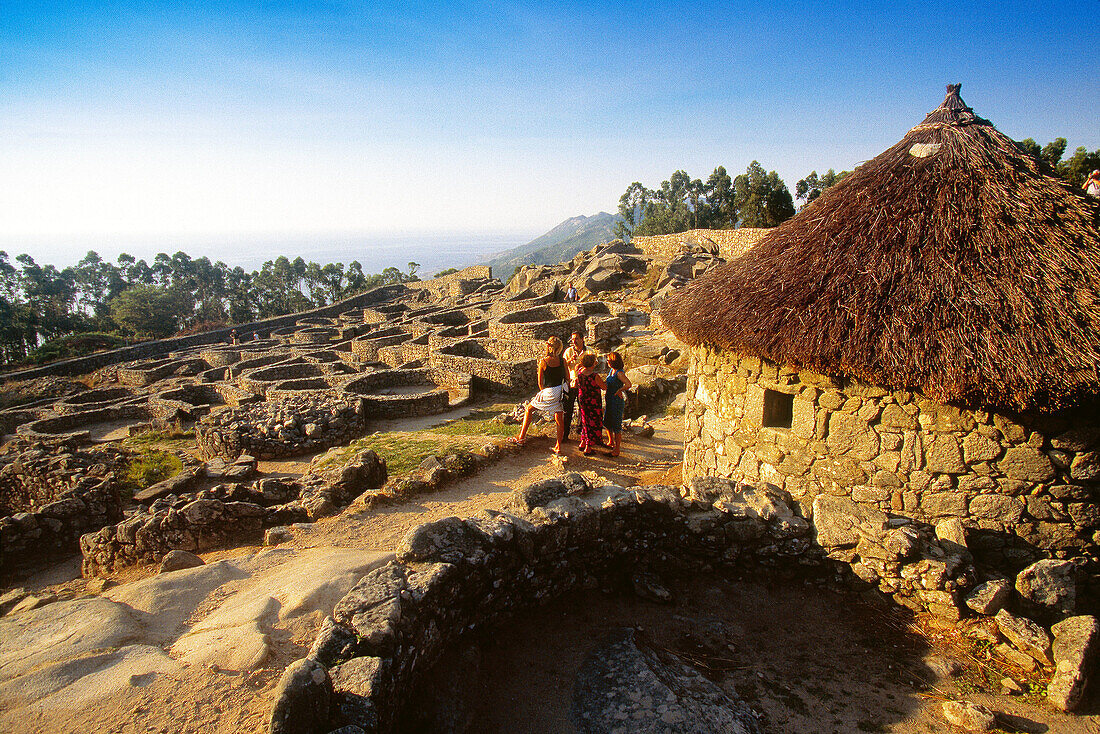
column 1022, row 487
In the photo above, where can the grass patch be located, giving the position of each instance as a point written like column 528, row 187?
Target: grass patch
column 173, row 438
column 147, row 438
column 404, row 450
column 472, row 426
column 149, row 467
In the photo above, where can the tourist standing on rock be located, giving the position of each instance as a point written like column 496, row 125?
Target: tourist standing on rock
column 551, row 375
column 572, row 359
column 589, row 385
column 616, row 383
column 571, row 293
column 1092, row 186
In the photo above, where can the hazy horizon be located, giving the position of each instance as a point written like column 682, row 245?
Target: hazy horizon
column 439, row 250
column 175, row 120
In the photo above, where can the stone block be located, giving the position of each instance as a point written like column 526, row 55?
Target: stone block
column 1026, row 464
column 803, row 418
column 837, row 520
column 1049, row 584
column 851, row 434
column 303, row 697
column 990, row 597
column 1025, row 635
column 943, row 504
column 997, row 507
column 1075, row 644
column 838, row 473
column 1085, row 467
column 896, row 417
column 977, row 447
column 943, row 455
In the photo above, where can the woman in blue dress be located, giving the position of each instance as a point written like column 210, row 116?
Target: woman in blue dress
column 617, row 385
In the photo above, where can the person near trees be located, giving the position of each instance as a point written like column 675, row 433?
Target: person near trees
column 572, row 359
column 1092, row 185
column 590, row 401
column 551, row 375
column 617, row 384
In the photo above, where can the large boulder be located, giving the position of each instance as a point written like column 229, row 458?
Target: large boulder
column 1075, row 643
column 622, row 681
column 1050, row 585
column 838, row 521
column 303, row 697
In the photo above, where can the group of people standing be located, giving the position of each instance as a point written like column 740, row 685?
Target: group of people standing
column 570, row 384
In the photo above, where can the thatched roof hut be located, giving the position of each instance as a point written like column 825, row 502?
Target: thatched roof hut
column 953, row 263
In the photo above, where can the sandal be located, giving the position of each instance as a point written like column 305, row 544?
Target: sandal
column 516, row 441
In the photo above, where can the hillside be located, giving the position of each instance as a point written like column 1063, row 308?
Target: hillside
column 574, row 235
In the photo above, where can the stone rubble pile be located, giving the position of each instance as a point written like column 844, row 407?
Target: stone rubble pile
column 291, row 426
column 226, row 513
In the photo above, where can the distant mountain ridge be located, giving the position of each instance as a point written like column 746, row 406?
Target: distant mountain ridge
column 576, row 234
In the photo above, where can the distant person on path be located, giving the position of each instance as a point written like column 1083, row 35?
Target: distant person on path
column 572, row 359
column 589, row 385
column 571, row 293
column 617, row 383
column 1092, row 186
column 233, row 337
column 551, row 374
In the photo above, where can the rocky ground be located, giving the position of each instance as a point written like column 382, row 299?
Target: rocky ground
column 201, row 649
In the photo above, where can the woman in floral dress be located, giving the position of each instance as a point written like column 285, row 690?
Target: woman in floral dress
column 590, row 403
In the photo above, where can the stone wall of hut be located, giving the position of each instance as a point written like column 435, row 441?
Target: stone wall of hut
column 1023, row 487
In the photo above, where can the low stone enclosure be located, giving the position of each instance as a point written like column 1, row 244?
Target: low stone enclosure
column 51, row 495
column 313, row 381
column 453, row 577
column 1024, row 487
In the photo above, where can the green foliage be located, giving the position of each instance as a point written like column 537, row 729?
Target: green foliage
column 149, row 467
column 762, row 199
column 404, row 450
column 814, row 186
column 147, row 311
column 159, row 437
column 443, row 273
column 475, row 426
column 1074, row 170
column 176, row 294
column 754, row 199
column 75, row 345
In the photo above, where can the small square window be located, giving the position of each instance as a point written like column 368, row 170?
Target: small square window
column 778, row 409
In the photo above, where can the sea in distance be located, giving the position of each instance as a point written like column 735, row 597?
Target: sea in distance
column 375, row 252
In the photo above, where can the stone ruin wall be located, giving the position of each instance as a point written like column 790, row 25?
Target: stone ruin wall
column 295, row 425
column 454, row 576
column 731, row 243
column 1023, row 488
column 458, row 284
column 51, row 495
column 162, row 347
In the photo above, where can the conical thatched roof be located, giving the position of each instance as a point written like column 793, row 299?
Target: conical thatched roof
column 953, row 263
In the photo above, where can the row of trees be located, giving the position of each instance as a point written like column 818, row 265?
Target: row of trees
column 1075, row 169
column 175, row 293
column 756, row 198
column 760, row 199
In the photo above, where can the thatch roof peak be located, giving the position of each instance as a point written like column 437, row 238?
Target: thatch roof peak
column 954, row 111
column 953, row 263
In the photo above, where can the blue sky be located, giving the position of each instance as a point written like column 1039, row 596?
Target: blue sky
column 169, row 121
